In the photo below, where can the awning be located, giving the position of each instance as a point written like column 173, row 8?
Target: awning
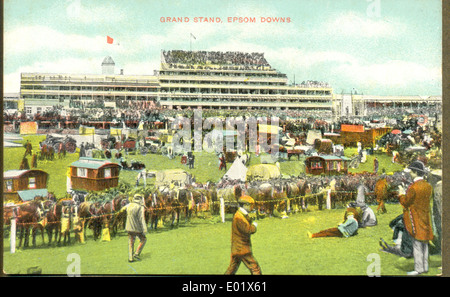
column 28, row 195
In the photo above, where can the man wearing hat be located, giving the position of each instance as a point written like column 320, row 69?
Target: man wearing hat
column 416, row 215
column 241, row 230
column 136, row 226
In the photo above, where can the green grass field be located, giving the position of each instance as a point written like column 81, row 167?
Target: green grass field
column 202, row 246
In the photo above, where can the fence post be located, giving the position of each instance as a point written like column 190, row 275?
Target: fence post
column 222, row 209
column 13, row 233
column 329, row 199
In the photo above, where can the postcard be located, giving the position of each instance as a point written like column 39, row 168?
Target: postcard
column 161, row 138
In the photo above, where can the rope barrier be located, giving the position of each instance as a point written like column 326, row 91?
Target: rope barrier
column 199, row 205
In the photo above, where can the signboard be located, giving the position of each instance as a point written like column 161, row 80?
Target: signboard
column 352, row 128
column 28, row 127
column 86, row 130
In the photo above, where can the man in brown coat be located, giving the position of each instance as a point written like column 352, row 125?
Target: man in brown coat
column 416, row 215
column 381, row 193
column 241, row 230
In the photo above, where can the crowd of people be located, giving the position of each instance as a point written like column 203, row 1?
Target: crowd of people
column 215, row 58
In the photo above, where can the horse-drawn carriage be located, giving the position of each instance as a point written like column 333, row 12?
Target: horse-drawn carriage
column 129, row 144
column 68, row 143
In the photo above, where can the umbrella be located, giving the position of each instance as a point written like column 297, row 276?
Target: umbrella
column 396, row 131
column 407, row 132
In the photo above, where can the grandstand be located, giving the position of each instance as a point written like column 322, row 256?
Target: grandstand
column 207, row 80
column 235, row 81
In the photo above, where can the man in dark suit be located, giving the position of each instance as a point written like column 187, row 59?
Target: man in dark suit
column 241, row 230
column 416, row 215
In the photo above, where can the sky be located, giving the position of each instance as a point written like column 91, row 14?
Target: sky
column 377, row 47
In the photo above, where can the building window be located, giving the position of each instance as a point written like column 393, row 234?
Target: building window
column 32, row 183
column 107, row 172
column 9, row 185
column 81, row 172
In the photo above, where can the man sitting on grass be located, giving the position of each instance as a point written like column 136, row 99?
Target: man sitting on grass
column 346, row 229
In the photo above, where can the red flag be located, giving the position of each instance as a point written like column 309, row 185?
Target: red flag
column 109, row 40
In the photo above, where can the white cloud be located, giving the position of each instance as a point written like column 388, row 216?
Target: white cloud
column 351, row 24
column 77, row 12
column 391, row 74
column 36, row 38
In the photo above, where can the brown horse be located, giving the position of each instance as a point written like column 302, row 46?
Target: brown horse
column 155, row 204
column 53, row 217
column 29, row 214
column 88, row 213
column 119, row 218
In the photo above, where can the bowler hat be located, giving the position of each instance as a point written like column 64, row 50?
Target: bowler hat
column 418, row 166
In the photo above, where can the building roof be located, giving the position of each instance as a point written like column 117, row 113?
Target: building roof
column 108, row 61
column 17, row 173
column 28, row 195
column 331, row 157
column 91, row 163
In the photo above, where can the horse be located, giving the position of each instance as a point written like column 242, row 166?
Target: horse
column 262, row 193
column 104, row 216
column 212, row 198
column 53, row 217
column 88, row 214
column 293, row 194
column 119, row 218
column 29, row 214
column 155, row 206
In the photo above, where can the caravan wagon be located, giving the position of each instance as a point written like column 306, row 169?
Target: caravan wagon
column 327, row 164
column 91, row 174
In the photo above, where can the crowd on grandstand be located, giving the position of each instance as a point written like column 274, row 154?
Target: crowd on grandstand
column 399, row 112
column 214, row 57
column 314, row 84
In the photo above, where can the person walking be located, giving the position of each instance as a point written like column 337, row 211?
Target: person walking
column 222, row 162
column 241, row 230
column 381, row 194
column 416, row 215
column 28, row 148
column 191, row 159
column 375, row 165
column 136, row 226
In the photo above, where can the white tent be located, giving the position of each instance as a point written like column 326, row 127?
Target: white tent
column 313, row 135
column 237, row 170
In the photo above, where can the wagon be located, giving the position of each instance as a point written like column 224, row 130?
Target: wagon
column 326, row 164
column 70, row 144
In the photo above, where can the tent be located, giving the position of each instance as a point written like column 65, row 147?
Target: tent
column 313, row 135
column 263, row 172
column 237, row 170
